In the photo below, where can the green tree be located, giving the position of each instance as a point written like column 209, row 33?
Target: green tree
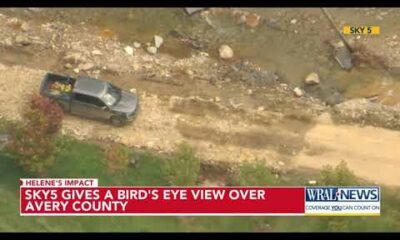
column 338, row 176
column 253, row 174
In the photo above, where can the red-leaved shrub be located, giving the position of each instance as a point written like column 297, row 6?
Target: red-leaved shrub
column 32, row 141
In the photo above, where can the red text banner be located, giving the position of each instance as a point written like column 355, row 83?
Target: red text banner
column 162, row 201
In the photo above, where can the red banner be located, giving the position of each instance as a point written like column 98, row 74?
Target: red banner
column 161, row 200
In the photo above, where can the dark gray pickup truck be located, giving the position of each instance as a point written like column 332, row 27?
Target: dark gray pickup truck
column 91, row 98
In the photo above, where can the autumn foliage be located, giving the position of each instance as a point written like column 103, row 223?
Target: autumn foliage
column 33, row 141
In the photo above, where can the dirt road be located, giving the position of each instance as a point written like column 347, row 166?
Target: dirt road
column 220, row 133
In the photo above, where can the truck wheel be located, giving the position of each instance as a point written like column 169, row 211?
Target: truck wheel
column 117, row 121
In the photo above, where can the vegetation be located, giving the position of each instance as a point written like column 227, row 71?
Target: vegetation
column 183, row 168
column 338, row 176
column 253, row 174
column 117, row 158
column 33, row 141
column 157, row 170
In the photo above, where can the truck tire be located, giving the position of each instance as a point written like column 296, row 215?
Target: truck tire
column 118, row 121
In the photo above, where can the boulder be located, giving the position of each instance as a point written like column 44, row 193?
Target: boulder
column 225, row 52
column 152, row 50
column 22, row 40
column 158, row 41
column 312, row 79
column 86, row 66
column 129, row 50
column 298, row 92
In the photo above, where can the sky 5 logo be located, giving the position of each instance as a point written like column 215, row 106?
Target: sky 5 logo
column 342, row 194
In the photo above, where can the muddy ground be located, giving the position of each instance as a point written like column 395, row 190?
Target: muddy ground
column 230, row 111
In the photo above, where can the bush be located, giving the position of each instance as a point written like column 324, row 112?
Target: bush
column 338, row 176
column 183, row 168
column 253, row 174
column 338, row 225
column 117, row 158
column 33, row 141
column 43, row 115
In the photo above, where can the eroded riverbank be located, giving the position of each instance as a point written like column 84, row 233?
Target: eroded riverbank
column 230, row 111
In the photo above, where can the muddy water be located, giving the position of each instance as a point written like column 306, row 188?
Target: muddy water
column 292, row 42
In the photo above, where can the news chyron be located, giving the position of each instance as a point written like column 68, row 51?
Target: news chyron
column 84, row 197
column 342, row 201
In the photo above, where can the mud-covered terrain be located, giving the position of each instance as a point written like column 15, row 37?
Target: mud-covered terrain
column 230, row 110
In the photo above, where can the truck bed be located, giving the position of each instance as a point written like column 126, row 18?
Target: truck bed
column 54, row 85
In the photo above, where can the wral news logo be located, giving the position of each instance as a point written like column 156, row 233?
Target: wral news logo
column 342, row 201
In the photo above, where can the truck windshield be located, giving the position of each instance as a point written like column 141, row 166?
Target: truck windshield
column 112, row 95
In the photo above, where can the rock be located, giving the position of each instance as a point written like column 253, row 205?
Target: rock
column 312, row 79
column 13, row 22
column 113, row 68
column 280, row 163
column 284, row 86
column 368, row 113
column 190, row 11
column 150, row 144
column 68, row 66
column 25, row 27
column 152, row 50
column 252, row 20
column 250, row 92
column 135, row 66
column 137, row 45
column 234, row 105
column 97, row 52
column 298, row 92
column 293, row 21
column 129, row 50
column 2, row 67
column 333, row 98
column 34, row 9
column 22, row 40
column 133, row 90
column 158, row 41
column 189, row 72
column 328, row 92
column 7, row 42
column 204, row 54
column 242, row 19
column 217, row 99
column 225, row 52
column 76, row 70
column 260, row 109
column 312, row 182
column 86, row 66
column 73, row 58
